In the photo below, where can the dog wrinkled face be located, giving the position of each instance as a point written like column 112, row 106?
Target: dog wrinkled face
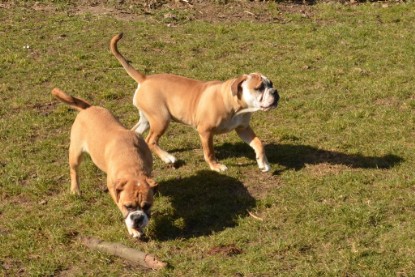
column 258, row 92
column 134, row 199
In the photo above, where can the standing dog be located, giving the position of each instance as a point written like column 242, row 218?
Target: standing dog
column 119, row 152
column 211, row 107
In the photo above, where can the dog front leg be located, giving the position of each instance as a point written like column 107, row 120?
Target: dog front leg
column 248, row 136
column 207, row 144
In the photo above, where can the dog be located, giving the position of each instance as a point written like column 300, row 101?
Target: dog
column 119, row 152
column 212, row 108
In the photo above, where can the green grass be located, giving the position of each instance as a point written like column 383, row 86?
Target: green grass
column 339, row 201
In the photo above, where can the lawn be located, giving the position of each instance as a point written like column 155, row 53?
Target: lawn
column 339, row 200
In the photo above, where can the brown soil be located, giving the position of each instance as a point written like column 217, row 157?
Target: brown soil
column 210, row 11
column 226, row 250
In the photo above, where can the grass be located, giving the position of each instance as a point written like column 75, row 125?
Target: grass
column 339, row 200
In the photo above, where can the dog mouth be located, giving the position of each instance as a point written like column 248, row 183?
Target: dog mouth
column 269, row 100
column 269, row 107
column 267, row 104
column 136, row 222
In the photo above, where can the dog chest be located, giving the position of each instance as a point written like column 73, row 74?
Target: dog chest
column 234, row 122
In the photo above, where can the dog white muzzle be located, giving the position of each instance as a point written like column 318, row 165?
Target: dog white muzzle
column 269, row 99
column 136, row 221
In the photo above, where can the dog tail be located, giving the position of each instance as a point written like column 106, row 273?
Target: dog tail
column 136, row 75
column 76, row 103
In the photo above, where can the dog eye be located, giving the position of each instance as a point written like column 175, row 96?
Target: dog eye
column 260, row 87
column 146, row 206
column 130, row 207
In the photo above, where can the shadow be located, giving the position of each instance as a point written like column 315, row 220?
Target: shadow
column 297, row 156
column 176, row 165
column 199, row 205
column 179, row 164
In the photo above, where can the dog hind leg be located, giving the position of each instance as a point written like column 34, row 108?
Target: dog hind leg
column 157, row 129
column 142, row 124
column 75, row 159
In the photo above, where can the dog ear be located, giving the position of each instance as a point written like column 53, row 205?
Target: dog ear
column 236, row 86
column 119, row 185
column 153, row 184
column 257, row 80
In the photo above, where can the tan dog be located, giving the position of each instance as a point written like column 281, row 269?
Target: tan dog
column 211, row 107
column 119, row 152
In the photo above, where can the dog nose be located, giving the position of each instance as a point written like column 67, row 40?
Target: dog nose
column 275, row 94
column 138, row 219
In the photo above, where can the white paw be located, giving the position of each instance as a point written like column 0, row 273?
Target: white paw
column 218, row 167
column 75, row 192
column 137, row 235
column 264, row 165
column 266, row 168
column 169, row 159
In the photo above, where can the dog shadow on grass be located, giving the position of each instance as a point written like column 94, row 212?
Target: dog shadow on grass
column 199, row 205
column 297, row 157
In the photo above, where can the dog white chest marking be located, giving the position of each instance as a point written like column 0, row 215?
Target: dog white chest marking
column 135, row 94
column 247, row 110
column 233, row 123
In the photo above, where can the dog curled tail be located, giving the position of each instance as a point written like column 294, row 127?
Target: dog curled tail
column 136, row 75
column 76, row 103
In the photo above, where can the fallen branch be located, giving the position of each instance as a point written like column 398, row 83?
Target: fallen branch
column 133, row 255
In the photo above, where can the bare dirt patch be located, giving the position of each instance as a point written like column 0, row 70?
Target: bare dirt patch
column 226, row 250
column 323, row 169
column 259, row 185
column 177, row 10
column 44, row 108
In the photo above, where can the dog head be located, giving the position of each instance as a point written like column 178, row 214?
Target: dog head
column 134, row 198
column 256, row 91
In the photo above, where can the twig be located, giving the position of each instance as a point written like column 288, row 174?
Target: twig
column 255, row 216
column 250, row 13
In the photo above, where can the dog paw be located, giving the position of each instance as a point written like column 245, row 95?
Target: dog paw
column 264, row 165
column 266, row 168
column 218, row 167
column 75, row 192
column 169, row 159
column 137, row 235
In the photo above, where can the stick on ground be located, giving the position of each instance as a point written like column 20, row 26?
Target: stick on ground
column 133, row 255
column 255, row 216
